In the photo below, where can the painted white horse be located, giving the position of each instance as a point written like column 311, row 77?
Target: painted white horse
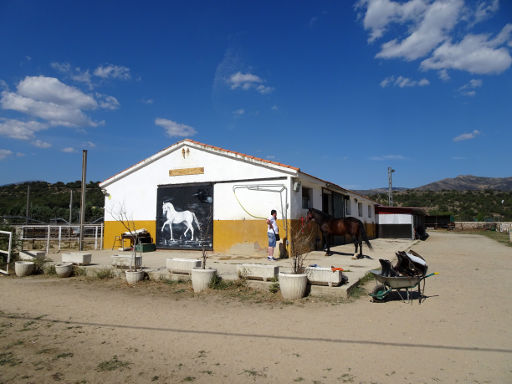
column 175, row 217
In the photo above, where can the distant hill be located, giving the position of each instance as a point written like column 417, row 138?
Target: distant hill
column 470, row 183
column 459, row 183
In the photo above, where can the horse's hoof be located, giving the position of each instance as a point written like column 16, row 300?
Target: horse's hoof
column 354, row 257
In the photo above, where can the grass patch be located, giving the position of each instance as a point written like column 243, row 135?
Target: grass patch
column 64, row 355
column 500, row 237
column 104, row 274
column 9, row 359
column 112, row 365
column 49, row 270
column 274, row 287
column 79, row 271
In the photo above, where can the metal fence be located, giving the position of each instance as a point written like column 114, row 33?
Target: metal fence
column 60, row 235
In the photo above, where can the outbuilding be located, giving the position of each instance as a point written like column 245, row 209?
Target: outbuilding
column 192, row 195
column 400, row 222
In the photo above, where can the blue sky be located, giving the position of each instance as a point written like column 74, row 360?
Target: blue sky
column 340, row 89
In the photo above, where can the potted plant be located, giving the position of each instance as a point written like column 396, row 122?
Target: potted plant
column 293, row 284
column 202, row 276
column 134, row 273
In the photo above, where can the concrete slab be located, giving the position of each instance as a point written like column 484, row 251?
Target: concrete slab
column 154, row 263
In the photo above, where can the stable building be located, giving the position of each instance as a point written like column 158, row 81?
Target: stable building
column 193, row 195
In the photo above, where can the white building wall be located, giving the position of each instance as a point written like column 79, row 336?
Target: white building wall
column 395, row 218
column 138, row 189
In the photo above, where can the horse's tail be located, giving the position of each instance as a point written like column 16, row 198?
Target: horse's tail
column 363, row 234
column 196, row 221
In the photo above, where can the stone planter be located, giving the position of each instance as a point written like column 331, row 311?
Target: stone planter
column 257, row 271
column 23, row 268
column 293, row 286
column 125, row 260
column 32, row 255
column 324, row 276
column 78, row 258
column 201, row 278
column 133, row 277
column 64, row 269
column 177, row 265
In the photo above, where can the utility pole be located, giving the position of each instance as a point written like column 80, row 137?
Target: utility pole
column 390, row 186
column 70, row 206
column 28, row 204
column 82, row 200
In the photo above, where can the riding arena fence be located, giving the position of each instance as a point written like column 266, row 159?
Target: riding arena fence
column 60, row 236
column 6, row 252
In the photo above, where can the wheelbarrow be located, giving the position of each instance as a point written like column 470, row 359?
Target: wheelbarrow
column 397, row 283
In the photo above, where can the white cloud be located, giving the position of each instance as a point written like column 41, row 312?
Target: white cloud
column 387, row 157
column 147, row 101
column 22, row 130
column 75, row 74
column 380, row 13
column 41, row 144
column 239, row 112
column 248, row 81
column 403, row 82
column 438, row 20
column 107, row 102
column 485, row 10
column 469, row 89
column 426, row 30
column 275, row 108
column 68, row 150
column 4, row 153
column 467, row 136
column 59, row 104
column 173, row 128
column 113, row 72
column 89, row 144
column 475, row 53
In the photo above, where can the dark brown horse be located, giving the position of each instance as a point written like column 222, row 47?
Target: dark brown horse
column 346, row 226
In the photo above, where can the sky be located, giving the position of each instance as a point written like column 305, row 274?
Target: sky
column 341, row 89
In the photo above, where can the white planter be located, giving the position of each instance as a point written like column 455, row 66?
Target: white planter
column 23, row 268
column 78, row 258
column 293, row 286
column 32, row 255
column 125, row 260
column 201, row 278
column 64, row 269
column 257, row 271
column 324, row 276
column 177, row 265
column 133, row 277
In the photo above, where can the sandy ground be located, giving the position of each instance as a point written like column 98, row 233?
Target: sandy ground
column 90, row 331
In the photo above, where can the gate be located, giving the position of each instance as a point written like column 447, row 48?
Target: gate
column 8, row 252
column 184, row 216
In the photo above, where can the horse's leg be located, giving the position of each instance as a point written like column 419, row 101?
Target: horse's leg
column 328, row 252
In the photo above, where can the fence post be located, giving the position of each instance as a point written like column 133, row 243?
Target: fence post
column 95, row 237
column 60, row 233
column 48, row 241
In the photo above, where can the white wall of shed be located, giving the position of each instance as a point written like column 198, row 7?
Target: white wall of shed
column 394, row 218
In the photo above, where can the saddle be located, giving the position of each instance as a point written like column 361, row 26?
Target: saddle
column 408, row 264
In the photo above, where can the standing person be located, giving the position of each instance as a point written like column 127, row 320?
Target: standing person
column 272, row 231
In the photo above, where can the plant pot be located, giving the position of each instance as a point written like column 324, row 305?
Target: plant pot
column 201, row 278
column 64, row 269
column 293, row 286
column 23, row 268
column 133, row 277
column 257, row 271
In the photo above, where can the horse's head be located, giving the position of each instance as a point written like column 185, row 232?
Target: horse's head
column 310, row 216
column 166, row 206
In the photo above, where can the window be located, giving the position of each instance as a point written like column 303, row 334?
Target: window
column 306, row 197
column 369, row 211
column 347, row 206
column 360, row 209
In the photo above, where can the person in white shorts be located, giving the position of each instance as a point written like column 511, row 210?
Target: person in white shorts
column 272, row 231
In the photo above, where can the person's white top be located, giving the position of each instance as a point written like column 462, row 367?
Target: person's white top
column 274, row 225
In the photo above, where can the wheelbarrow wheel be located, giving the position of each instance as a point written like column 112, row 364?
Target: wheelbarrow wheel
column 379, row 293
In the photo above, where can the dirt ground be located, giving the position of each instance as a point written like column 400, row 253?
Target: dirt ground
column 79, row 330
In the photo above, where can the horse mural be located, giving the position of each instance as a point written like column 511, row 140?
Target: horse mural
column 176, row 217
column 346, row 226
